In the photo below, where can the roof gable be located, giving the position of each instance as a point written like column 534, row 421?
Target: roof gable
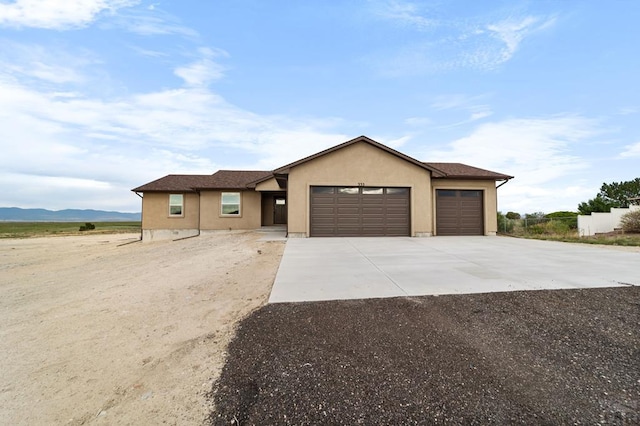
column 359, row 139
column 247, row 179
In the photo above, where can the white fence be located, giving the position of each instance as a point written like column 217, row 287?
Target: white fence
column 596, row 223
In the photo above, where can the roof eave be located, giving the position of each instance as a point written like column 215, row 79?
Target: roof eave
column 494, row 178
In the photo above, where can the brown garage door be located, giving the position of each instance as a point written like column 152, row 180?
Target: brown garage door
column 352, row 211
column 459, row 212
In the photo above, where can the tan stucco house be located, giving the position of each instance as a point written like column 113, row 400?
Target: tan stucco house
column 358, row 188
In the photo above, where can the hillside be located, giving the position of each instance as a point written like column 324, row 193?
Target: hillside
column 16, row 214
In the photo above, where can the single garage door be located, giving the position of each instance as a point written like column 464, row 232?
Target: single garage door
column 459, row 212
column 352, row 211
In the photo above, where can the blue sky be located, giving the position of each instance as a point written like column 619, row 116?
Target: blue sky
column 100, row 96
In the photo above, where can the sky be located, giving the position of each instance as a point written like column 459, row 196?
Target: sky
column 100, row 96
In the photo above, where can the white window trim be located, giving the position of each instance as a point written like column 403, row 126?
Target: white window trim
column 181, row 206
column 239, row 214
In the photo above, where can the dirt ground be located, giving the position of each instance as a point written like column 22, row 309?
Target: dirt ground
column 96, row 332
column 536, row 357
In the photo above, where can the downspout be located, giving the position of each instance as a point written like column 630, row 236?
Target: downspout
column 199, row 210
column 505, row 181
column 141, row 212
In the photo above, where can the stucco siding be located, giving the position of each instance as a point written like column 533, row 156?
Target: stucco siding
column 268, row 185
column 360, row 164
column 213, row 219
column 490, row 200
column 155, row 212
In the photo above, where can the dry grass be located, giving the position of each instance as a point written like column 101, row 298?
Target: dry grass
column 47, row 229
column 629, row 240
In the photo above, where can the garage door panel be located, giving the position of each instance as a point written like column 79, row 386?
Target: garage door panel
column 353, row 211
column 373, row 209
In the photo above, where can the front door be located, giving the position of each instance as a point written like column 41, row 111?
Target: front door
column 280, row 210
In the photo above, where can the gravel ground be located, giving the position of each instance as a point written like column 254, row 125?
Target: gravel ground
column 544, row 357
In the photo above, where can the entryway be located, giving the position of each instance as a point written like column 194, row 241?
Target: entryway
column 274, row 208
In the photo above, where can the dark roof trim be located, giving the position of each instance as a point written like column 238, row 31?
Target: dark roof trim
column 434, row 172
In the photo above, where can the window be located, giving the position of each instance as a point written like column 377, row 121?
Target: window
column 322, row 190
column 397, row 191
column 349, row 190
column 372, row 191
column 176, row 205
column 230, row 204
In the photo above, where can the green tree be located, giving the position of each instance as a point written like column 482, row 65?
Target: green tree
column 597, row 204
column 513, row 215
column 620, row 192
column 615, row 194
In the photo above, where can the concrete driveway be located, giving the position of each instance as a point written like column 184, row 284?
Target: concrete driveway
column 356, row 268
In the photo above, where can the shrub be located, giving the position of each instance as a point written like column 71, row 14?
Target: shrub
column 87, row 226
column 550, row 227
column 504, row 225
column 631, row 221
column 569, row 218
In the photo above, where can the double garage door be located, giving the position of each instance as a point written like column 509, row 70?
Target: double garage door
column 351, row 211
column 343, row 211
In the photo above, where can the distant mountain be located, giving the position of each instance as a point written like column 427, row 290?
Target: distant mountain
column 15, row 214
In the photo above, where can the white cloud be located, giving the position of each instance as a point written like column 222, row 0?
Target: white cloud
column 153, row 21
column 468, row 104
column 404, row 12
column 447, row 44
column 513, row 31
column 631, row 151
column 538, row 144
column 49, row 65
column 418, row 121
column 80, row 151
column 540, row 152
column 481, row 112
column 204, row 70
column 57, row 14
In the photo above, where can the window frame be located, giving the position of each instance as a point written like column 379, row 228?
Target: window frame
column 174, row 204
column 223, row 204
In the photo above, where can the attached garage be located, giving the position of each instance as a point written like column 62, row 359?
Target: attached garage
column 357, row 188
column 353, row 211
column 459, row 212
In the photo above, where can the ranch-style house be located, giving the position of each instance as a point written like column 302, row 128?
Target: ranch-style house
column 358, row 188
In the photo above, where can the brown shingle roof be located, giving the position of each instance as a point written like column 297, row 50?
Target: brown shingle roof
column 459, row 170
column 223, row 179
column 177, row 183
column 235, row 179
column 241, row 179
